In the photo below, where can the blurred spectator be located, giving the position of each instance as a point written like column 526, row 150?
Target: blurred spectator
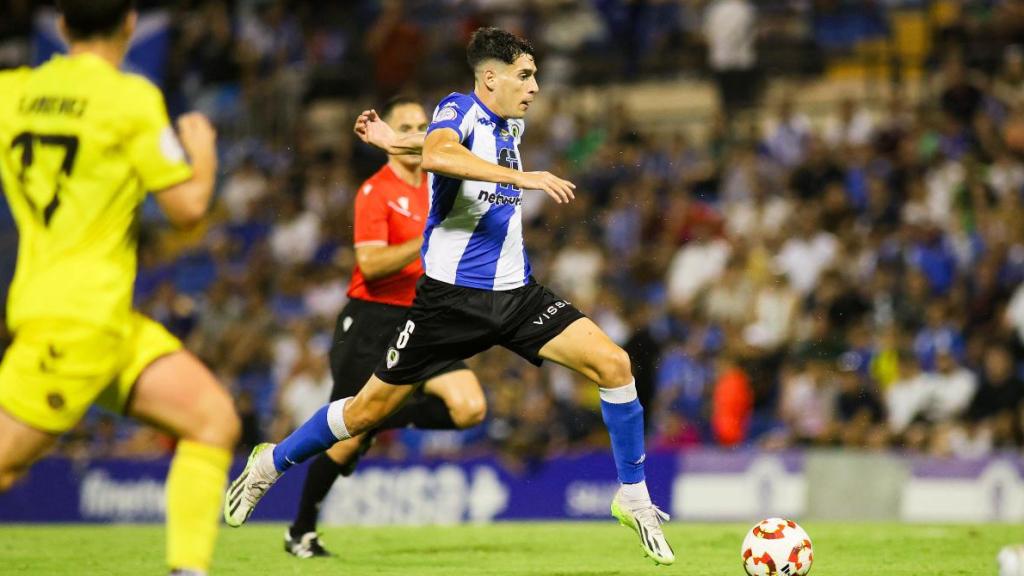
column 576, row 270
column 808, row 401
column 295, row 237
column 807, row 254
column 950, row 389
column 858, row 411
column 696, row 264
column 850, row 127
column 789, row 134
column 246, row 186
column 303, row 392
column 1000, row 391
column 396, row 45
column 731, row 33
column 731, row 403
column 906, row 396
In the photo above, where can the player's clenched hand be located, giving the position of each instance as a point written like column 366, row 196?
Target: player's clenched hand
column 198, row 136
column 559, row 190
column 361, row 120
column 374, row 131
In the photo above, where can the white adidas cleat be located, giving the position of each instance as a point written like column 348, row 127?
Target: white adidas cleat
column 245, row 491
column 646, row 522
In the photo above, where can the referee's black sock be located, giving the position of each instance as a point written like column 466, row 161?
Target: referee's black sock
column 319, row 479
column 426, row 413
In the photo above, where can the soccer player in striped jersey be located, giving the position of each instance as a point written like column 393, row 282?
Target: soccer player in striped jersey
column 477, row 290
column 390, row 213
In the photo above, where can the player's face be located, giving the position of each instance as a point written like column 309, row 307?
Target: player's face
column 516, row 86
column 408, row 119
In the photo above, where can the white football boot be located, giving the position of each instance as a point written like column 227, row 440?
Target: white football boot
column 646, row 521
column 254, row 481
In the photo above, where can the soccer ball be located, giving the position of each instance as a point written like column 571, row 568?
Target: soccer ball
column 1011, row 560
column 777, row 547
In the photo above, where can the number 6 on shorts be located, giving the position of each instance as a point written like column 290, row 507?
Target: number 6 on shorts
column 403, row 338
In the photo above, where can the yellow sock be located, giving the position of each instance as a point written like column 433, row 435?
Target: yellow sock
column 195, row 492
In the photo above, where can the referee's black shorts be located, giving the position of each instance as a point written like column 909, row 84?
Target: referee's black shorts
column 361, row 337
column 448, row 324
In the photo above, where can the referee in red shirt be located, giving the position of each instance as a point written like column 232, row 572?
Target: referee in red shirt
column 390, row 214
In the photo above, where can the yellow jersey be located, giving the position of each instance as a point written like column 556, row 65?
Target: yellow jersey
column 80, row 144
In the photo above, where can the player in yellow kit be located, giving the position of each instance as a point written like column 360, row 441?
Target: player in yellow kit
column 81, row 143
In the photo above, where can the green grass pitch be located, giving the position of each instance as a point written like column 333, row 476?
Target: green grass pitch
column 551, row 549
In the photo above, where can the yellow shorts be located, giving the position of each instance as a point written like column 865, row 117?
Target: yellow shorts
column 54, row 370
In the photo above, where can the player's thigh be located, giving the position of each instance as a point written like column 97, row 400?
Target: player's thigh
column 177, row 393
column 20, row 446
column 585, row 348
column 167, row 386
column 460, row 389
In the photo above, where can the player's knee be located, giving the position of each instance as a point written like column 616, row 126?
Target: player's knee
column 468, row 412
column 231, row 431
column 218, row 423
column 614, row 369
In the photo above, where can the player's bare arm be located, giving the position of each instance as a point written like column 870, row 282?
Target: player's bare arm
column 444, row 154
column 377, row 262
column 375, row 131
column 186, row 203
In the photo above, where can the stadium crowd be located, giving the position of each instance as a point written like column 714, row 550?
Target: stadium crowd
column 853, row 281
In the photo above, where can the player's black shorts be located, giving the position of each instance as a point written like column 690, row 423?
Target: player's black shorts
column 361, row 338
column 448, row 324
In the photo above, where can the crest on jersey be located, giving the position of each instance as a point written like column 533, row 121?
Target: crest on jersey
column 514, row 129
column 404, row 203
column 446, row 112
column 170, row 147
column 392, row 358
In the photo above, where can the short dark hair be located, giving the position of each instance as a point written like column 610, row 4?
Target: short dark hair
column 495, row 43
column 92, row 18
column 395, row 102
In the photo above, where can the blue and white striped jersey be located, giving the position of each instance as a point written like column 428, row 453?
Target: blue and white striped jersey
column 474, row 232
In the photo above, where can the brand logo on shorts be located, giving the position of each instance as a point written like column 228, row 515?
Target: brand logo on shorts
column 392, row 357
column 55, row 400
column 551, row 311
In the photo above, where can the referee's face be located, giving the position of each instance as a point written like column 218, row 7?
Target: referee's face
column 408, row 119
column 515, row 86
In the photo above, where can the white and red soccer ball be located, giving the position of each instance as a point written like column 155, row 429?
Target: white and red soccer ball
column 777, row 547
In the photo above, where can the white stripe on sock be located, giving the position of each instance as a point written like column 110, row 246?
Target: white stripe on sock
column 620, row 395
column 336, row 418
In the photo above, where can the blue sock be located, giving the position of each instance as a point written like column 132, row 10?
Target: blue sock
column 624, row 418
column 317, row 434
